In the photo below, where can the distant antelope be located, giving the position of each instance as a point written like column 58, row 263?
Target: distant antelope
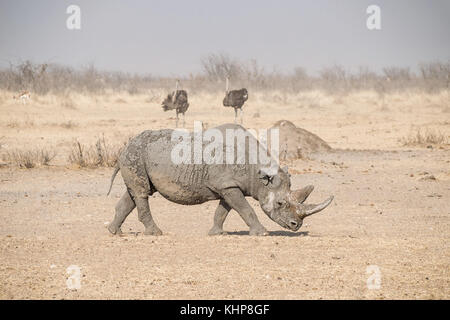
column 235, row 99
column 177, row 100
column 23, row 96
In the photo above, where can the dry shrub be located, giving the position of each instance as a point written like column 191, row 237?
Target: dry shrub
column 120, row 100
column 101, row 154
column 69, row 124
column 30, row 158
column 50, row 78
column 13, row 124
column 428, row 137
column 153, row 97
column 68, row 103
column 66, row 125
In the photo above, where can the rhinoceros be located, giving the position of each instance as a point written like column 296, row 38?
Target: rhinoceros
column 147, row 166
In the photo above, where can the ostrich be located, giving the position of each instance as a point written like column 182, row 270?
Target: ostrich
column 177, row 100
column 235, row 99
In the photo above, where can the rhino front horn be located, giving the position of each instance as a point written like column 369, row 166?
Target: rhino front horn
column 314, row 208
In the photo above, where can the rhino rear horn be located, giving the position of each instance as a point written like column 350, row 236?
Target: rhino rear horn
column 300, row 195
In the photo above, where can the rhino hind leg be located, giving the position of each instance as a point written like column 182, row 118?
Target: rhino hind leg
column 123, row 209
column 146, row 218
column 219, row 218
column 140, row 187
column 236, row 200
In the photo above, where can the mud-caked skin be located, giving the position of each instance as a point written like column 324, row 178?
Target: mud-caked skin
column 147, row 167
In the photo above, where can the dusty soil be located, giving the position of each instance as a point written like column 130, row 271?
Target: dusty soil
column 388, row 210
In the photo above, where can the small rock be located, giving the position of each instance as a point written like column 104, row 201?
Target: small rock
column 435, row 195
column 428, row 177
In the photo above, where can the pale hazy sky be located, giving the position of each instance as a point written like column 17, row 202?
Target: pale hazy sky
column 170, row 37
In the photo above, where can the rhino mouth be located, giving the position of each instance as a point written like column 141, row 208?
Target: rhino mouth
column 302, row 211
column 295, row 228
column 292, row 225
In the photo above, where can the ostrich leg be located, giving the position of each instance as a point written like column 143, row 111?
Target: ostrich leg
column 177, row 120
column 235, row 115
column 242, row 114
column 184, row 118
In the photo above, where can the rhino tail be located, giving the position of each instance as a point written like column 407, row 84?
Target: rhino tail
column 116, row 169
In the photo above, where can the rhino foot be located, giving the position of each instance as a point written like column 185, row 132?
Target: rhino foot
column 216, row 231
column 153, row 231
column 258, row 231
column 114, row 230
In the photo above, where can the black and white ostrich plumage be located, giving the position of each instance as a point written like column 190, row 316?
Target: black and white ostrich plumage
column 236, row 99
column 179, row 104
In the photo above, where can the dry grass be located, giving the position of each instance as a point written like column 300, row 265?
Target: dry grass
column 29, row 158
column 422, row 138
column 101, row 154
column 43, row 79
column 67, row 102
column 14, row 123
column 44, row 122
column 68, row 124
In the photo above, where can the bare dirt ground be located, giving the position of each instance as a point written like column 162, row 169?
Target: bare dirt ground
column 387, row 211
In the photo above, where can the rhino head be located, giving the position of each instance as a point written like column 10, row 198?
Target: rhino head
column 283, row 205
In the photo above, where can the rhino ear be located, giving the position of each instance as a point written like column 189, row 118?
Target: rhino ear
column 265, row 176
column 285, row 169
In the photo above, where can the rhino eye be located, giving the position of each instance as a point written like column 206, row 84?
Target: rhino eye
column 281, row 203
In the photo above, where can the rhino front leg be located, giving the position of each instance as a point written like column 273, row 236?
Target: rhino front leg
column 146, row 218
column 236, row 200
column 123, row 209
column 219, row 218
